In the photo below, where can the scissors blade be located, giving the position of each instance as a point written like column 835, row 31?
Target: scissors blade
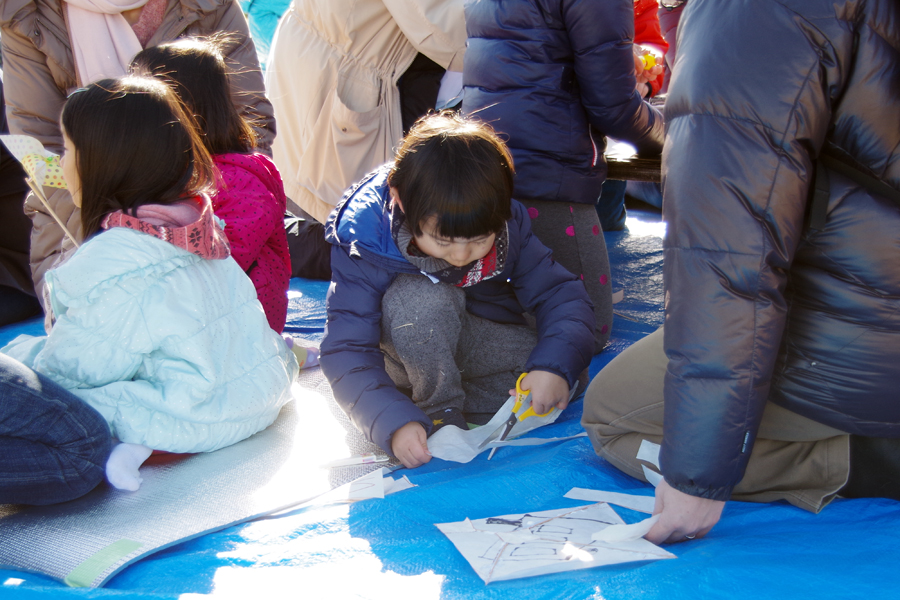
column 505, row 428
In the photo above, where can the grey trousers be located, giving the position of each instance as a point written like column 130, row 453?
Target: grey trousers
column 572, row 231
column 445, row 357
column 794, row 458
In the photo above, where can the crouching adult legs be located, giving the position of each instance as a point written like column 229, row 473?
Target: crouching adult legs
column 794, row 458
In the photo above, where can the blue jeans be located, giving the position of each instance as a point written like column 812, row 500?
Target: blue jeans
column 54, row 446
column 611, row 205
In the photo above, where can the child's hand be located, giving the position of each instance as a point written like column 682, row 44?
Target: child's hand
column 547, row 390
column 644, row 76
column 410, row 445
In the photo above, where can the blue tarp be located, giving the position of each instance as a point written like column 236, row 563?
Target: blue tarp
column 389, row 548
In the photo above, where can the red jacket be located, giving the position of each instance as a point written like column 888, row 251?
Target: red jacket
column 251, row 201
column 647, row 31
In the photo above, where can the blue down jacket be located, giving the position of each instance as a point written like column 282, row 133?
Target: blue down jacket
column 364, row 262
column 172, row 349
column 556, row 76
column 759, row 306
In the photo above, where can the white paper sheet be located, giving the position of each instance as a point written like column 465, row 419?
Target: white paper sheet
column 653, row 478
column 552, row 541
column 634, row 502
column 649, row 452
column 454, row 444
column 625, row 533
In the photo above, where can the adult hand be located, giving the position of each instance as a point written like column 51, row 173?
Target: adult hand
column 547, row 390
column 681, row 516
column 410, row 445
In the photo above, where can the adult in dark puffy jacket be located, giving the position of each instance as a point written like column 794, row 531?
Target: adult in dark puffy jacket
column 781, row 338
column 555, row 77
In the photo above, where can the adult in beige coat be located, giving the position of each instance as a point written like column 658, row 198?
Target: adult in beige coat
column 332, row 78
column 39, row 73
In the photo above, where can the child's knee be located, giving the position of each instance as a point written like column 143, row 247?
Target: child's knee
column 416, row 300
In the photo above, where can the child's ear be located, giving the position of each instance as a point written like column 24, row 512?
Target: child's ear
column 395, row 198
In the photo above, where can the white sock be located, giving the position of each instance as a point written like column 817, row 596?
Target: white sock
column 123, row 464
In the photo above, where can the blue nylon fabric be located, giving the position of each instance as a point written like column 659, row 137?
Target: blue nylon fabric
column 390, row 547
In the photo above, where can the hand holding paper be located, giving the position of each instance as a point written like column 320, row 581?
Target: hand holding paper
column 681, row 516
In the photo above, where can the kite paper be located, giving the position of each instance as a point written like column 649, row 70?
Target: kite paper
column 41, row 165
column 43, row 170
column 550, row 541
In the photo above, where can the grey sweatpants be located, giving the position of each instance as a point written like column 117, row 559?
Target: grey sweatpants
column 445, row 357
column 794, row 458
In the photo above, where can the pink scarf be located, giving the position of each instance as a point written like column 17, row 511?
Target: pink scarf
column 189, row 224
column 103, row 43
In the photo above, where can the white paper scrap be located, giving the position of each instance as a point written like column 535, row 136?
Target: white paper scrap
column 623, row 533
column 634, row 502
column 652, row 476
column 392, row 486
column 367, row 486
column 453, row 444
column 649, row 452
column 551, row 541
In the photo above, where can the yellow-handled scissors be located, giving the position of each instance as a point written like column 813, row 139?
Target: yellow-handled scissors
column 521, row 396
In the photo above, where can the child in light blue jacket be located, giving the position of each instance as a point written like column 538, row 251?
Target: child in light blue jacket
column 156, row 326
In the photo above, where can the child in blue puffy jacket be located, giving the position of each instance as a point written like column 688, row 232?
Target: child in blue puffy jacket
column 441, row 296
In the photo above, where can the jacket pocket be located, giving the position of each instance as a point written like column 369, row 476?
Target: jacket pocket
column 345, row 144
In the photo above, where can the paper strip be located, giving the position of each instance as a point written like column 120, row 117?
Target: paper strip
column 642, row 504
column 533, row 441
column 625, row 533
column 652, row 476
column 649, row 452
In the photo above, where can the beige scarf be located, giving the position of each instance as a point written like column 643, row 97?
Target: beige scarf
column 103, row 43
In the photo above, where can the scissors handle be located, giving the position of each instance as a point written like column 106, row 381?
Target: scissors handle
column 521, row 395
column 530, row 413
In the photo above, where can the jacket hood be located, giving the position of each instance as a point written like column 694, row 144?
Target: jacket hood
column 361, row 222
column 261, row 167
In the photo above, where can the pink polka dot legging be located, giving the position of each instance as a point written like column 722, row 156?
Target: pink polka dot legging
column 572, row 232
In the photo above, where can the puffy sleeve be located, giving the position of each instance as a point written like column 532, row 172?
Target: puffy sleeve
column 351, row 355
column 246, row 78
column 604, row 68
column 738, row 164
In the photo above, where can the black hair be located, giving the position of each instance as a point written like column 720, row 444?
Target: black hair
column 457, row 170
column 134, row 145
column 196, row 67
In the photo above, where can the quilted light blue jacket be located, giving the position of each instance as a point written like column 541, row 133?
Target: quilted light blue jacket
column 172, row 349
